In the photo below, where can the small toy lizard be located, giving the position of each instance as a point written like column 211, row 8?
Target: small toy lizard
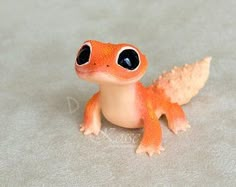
column 124, row 101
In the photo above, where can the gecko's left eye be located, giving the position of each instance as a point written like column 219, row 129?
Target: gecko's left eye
column 83, row 56
column 128, row 59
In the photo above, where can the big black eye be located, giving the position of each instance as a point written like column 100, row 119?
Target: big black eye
column 83, row 55
column 128, row 59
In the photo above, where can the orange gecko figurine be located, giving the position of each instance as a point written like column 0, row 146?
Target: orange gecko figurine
column 124, row 101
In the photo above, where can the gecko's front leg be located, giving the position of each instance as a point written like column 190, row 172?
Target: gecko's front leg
column 92, row 116
column 152, row 136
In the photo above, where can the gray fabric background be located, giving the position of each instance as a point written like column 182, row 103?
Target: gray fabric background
column 42, row 100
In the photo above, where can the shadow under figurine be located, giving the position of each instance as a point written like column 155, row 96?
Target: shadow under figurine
column 124, row 101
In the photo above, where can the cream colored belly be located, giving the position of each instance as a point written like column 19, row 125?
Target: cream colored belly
column 121, row 115
column 120, row 107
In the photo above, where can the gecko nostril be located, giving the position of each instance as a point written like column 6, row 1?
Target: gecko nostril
column 94, row 63
column 108, row 65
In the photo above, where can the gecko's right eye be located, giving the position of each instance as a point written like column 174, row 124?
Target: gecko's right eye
column 83, row 55
column 128, row 59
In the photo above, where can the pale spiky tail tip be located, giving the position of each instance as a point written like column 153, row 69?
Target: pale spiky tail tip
column 183, row 83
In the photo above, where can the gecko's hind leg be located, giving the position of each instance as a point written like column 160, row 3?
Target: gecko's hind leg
column 176, row 118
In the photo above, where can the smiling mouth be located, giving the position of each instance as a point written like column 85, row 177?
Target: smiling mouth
column 85, row 72
column 103, row 75
column 94, row 73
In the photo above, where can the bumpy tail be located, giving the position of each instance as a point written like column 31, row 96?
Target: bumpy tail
column 183, row 83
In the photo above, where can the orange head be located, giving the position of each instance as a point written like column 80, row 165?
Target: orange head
column 110, row 63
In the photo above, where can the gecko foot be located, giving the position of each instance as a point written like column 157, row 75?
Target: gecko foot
column 150, row 150
column 89, row 129
column 180, row 125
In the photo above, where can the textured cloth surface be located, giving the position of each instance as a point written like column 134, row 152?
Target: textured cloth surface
column 42, row 100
